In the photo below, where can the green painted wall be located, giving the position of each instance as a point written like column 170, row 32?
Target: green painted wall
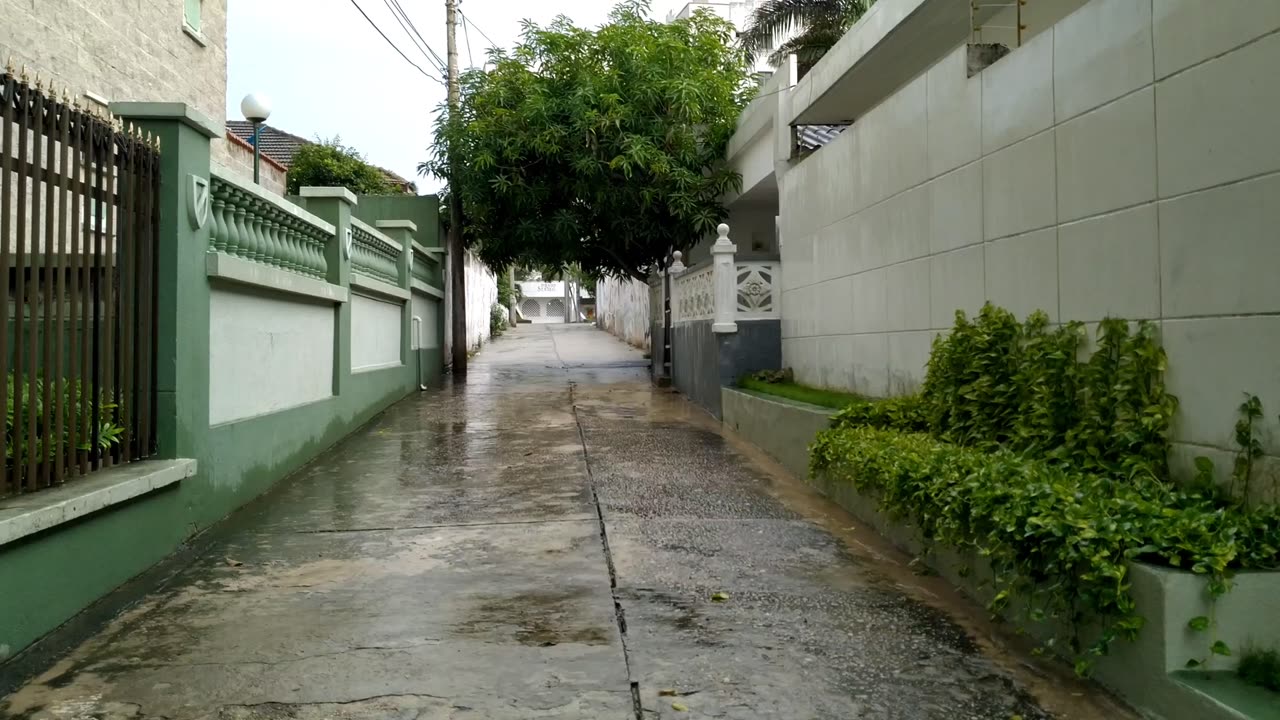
column 48, row 578
column 422, row 210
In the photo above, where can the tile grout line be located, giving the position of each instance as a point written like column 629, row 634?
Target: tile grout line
column 619, row 613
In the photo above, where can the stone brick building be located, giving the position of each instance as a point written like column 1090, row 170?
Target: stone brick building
column 104, row 51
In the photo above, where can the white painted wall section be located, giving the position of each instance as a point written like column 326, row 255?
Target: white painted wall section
column 622, row 308
column 267, row 353
column 481, row 293
column 375, row 333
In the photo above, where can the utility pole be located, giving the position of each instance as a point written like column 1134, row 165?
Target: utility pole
column 458, row 304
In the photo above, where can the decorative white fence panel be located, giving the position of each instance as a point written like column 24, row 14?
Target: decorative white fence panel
column 757, row 290
column 693, row 296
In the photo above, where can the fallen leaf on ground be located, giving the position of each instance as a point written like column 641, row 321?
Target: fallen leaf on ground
column 668, row 693
column 720, row 597
column 234, row 563
column 679, row 708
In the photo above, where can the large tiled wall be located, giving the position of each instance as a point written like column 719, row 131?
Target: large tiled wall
column 1124, row 162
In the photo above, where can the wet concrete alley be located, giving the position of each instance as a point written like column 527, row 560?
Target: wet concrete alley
column 547, row 540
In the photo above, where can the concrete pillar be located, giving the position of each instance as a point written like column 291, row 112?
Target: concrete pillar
column 334, row 205
column 724, row 279
column 182, row 336
column 402, row 231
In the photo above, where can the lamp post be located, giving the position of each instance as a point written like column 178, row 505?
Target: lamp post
column 256, row 108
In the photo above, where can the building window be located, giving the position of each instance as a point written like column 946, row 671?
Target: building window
column 191, row 13
column 191, row 19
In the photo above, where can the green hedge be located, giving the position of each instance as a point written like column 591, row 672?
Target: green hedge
column 1052, row 466
column 1056, row 537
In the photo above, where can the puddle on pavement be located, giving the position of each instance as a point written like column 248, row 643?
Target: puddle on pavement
column 537, row 618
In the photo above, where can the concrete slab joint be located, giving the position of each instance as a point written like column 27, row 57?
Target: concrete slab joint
column 26, row 515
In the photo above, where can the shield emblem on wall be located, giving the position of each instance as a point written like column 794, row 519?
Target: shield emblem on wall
column 198, row 202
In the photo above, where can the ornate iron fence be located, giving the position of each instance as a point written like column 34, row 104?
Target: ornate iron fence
column 78, row 239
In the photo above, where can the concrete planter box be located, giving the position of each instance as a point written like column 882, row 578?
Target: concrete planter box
column 1149, row 672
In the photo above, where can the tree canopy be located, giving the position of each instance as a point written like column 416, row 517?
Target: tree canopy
column 804, row 28
column 329, row 163
column 602, row 148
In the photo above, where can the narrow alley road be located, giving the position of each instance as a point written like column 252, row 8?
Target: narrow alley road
column 545, row 541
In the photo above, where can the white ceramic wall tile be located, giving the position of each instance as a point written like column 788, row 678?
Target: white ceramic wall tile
column 1191, row 31
column 955, row 209
column 1220, row 250
column 1022, row 273
column 907, row 221
column 908, row 119
column 841, row 305
column 1217, row 122
column 1213, row 362
column 1017, row 94
column 907, row 295
column 1100, row 52
column 869, row 314
column 955, row 113
column 956, row 283
column 1109, row 266
column 908, row 353
column 1019, row 188
column 870, row 354
column 1106, row 158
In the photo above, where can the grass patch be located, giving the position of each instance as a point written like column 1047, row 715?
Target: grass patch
column 800, row 393
column 1261, row 668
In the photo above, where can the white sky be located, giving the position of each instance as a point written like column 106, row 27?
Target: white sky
column 329, row 73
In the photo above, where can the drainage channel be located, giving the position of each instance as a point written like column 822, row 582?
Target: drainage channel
column 619, row 613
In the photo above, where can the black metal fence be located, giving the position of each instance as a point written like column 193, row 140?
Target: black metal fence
column 78, row 219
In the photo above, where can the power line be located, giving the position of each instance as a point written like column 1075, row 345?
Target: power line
column 467, row 21
column 417, row 45
column 393, row 45
column 470, row 60
column 399, row 8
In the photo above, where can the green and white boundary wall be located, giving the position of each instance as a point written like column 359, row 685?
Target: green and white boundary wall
column 284, row 325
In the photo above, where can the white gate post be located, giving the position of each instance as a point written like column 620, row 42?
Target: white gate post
column 724, row 278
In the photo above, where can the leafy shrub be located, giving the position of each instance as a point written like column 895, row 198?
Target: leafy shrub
column 331, row 164
column 1057, row 538
column 908, row 413
column 497, row 319
column 774, row 377
column 1261, row 668
column 994, row 382
column 77, row 405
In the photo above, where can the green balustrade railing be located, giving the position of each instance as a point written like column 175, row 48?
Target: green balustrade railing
column 373, row 254
column 426, row 268
column 250, row 224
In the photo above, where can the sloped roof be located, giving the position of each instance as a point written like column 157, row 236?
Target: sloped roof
column 281, row 147
column 812, row 137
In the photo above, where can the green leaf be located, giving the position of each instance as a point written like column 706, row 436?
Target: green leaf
column 1199, row 624
column 1220, row 648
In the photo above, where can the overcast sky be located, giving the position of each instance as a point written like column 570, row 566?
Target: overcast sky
column 329, row 73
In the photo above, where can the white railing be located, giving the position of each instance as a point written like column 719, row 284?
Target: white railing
column 692, row 295
column 726, row 290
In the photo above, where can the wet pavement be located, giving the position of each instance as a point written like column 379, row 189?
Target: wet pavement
column 553, row 538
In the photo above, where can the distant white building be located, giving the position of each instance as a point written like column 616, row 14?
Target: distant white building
column 544, row 302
